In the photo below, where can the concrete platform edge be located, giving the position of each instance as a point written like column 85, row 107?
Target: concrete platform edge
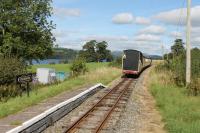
column 33, row 125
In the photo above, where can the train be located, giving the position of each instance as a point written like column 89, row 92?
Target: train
column 134, row 62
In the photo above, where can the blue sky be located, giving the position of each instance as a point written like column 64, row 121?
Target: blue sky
column 144, row 25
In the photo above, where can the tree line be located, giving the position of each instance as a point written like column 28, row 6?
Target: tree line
column 176, row 62
column 64, row 54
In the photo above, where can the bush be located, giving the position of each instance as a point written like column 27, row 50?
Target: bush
column 78, row 67
column 177, row 66
column 194, row 87
column 7, row 91
column 52, row 63
column 116, row 63
column 9, row 69
column 63, row 62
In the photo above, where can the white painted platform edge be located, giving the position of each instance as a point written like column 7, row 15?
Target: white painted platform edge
column 51, row 110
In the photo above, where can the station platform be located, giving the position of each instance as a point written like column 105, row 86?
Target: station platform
column 14, row 120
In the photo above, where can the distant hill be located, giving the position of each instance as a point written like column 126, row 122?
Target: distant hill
column 155, row 57
column 63, row 53
column 70, row 54
column 119, row 54
column 116, row 54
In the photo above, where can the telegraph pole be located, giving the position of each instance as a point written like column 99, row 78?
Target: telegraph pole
column 188, row 44
column 163, row 51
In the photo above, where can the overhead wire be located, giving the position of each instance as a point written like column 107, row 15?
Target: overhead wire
column 180, row 19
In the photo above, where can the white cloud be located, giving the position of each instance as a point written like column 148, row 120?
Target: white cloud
column 142, row 21
column 143, row 46
column 176, row 34
column 153, row 29
column 64, row 33
column 196, row 41
column 178, row 16
column 128, row 18
column 123, row 18
column 59, row 34
column 105, row 38
column 65, row 12
column 147, row 38
column 195, row 31
column 146, row 43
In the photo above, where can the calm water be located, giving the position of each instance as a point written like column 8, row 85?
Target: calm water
column 47, row 61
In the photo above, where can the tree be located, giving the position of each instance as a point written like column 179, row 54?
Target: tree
column 101, row 50
column 94, row 51
column 78, row 67
column 89, row 52
column 178, row 48
column 195, row 61
column 25, row 29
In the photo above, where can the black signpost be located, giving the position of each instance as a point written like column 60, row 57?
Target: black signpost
column 24, row 80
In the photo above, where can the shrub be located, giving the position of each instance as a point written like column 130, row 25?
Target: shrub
column 116, row 63
column 78, row 67
column 7, row 91
column 194, row 87
column 178, row 67
column 9, row 69
column 63, row 62
column 52, row 63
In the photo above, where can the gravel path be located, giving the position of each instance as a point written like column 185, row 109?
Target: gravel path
column 140, row 114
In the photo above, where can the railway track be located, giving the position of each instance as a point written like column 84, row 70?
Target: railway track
column 97, row 117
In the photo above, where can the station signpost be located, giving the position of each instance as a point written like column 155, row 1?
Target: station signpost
column 24, row 82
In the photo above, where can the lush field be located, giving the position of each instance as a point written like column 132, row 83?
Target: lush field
column 180, row 112
column 98, row 73
column 66, row 67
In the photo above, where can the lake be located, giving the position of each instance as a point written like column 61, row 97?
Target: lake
column 47, row 61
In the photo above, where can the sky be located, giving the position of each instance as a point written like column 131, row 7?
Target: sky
column 150, row 26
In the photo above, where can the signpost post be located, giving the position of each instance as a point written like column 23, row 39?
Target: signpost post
column 25, row 79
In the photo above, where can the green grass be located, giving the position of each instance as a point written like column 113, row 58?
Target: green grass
column 180, row 112
column 66, row 67
column 103, row 75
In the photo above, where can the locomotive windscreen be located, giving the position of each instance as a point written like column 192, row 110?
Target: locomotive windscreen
column 131, row 60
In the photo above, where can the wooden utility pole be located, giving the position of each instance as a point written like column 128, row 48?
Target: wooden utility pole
column 163, row 52
column 188, row 44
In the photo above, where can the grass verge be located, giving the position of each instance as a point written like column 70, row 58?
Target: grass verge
column 103, row 75
column 66, row 67
column 180, row 112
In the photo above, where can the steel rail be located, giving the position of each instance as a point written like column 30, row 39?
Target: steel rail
column 73, row 126
column 98, row 129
